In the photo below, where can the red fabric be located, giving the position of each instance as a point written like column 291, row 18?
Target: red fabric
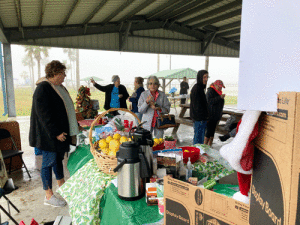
column 155, row 95
column 244, row 183
column 213, row 87
column 248, row 152
column 219, row 83
column 22, row 223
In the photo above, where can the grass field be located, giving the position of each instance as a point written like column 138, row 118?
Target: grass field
column 23, row 100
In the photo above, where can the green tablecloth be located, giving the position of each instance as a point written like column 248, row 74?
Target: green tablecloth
column 79, row 158
column 119, row 212
column 90, row 195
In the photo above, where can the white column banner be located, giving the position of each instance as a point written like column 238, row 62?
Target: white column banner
column 269, row 52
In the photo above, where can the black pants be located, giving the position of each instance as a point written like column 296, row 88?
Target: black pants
column 211, row 128
column 182, row 101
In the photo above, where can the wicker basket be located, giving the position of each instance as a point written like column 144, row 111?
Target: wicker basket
column 106, row 163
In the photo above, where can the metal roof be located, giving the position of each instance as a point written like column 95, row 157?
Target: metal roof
column 195, row 27
column 176, row 74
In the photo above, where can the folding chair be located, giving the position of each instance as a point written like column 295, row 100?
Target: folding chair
column 9, row 154
column 7, row 189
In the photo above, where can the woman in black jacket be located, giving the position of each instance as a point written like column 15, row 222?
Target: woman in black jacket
column 53, row 126
column 115, row 94
column 198, row 107
column 215, row 100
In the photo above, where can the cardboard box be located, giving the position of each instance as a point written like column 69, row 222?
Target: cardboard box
column 275, row 184
column 189, row 204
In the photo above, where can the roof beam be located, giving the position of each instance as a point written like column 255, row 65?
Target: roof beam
column 181, row 10
column 73, row 7
column 230, row 26
column 210, row 39
column 137, row 9
column 3, row 38
column 197, row 9
column 200, row 36
column 123, row 37
column 234, row 38
column 160, row 8
column 230, row 32
column 42, row 11
column 213, row 12
column 218, row 18
column 115, row 13
column 19, row 15
column 69, row 31
column 90, row 17
column 187, row 31
column 169, row 9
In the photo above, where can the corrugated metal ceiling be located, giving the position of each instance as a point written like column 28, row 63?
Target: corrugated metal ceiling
column 211, row 27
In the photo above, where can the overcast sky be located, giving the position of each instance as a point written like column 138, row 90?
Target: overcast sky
column 104, row 64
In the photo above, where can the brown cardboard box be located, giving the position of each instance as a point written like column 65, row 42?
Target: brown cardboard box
column 276, row 169
column 189, row 204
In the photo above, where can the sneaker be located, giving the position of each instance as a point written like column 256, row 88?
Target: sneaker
column 55, row 202
column 224, row 137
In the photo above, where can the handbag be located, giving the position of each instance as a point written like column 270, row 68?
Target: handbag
column 165, row 121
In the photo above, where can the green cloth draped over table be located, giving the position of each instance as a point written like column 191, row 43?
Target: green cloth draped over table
column 83, row 192
column 91, row 196
column 119, row 212
column 79, row 158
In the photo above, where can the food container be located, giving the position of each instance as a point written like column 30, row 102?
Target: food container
column 193, row 153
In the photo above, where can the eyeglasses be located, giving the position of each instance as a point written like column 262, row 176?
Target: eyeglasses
column 153, row 83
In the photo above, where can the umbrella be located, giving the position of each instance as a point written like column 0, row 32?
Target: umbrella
column 89, row 78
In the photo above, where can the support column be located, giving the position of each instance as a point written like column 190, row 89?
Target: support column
column 164, row 84
column 9, row 81
column 206, row 62
column 77, row 70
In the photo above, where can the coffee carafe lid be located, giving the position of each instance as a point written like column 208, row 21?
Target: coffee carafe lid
column 129, row 150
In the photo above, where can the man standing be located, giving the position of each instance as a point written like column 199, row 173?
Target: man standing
column 198, row 107
column 184, row 86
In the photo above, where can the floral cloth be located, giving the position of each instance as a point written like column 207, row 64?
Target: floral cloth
column 83, row 192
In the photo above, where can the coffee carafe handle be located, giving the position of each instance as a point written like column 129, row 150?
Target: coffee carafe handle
column 144, row 166
column 123, row 161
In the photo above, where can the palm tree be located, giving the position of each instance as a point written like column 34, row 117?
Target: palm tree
column 72, row 58
column 37, row 53
column 24, row 75
column 28, row 61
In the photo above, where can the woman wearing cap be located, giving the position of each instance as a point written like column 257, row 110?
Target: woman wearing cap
column 215, row 101
column 115, row 93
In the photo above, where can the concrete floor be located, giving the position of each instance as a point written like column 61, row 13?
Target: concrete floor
column 30, row 195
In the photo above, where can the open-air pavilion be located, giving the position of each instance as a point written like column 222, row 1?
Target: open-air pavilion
column 204, row 28
column 176, row 74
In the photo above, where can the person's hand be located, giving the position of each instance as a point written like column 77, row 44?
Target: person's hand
column 62, row 137
column 149, row 99
column 120, row 96
column 93, row 81
column 223, row 96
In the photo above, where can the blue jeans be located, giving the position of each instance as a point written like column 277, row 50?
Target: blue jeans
column 199, row 132
column 51, row 160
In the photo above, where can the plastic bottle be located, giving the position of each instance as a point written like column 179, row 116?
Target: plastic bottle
column 189, row 167
column 182, row 172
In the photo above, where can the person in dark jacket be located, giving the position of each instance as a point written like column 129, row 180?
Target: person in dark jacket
column 134, row 99
column 53, row 126
column 215, row 100
column 184, row 86
column 198, row 107
column 115, row 94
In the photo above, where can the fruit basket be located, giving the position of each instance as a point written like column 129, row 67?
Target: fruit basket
column 106, row 157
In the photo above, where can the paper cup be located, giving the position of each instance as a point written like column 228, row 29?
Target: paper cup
column 161, row 206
